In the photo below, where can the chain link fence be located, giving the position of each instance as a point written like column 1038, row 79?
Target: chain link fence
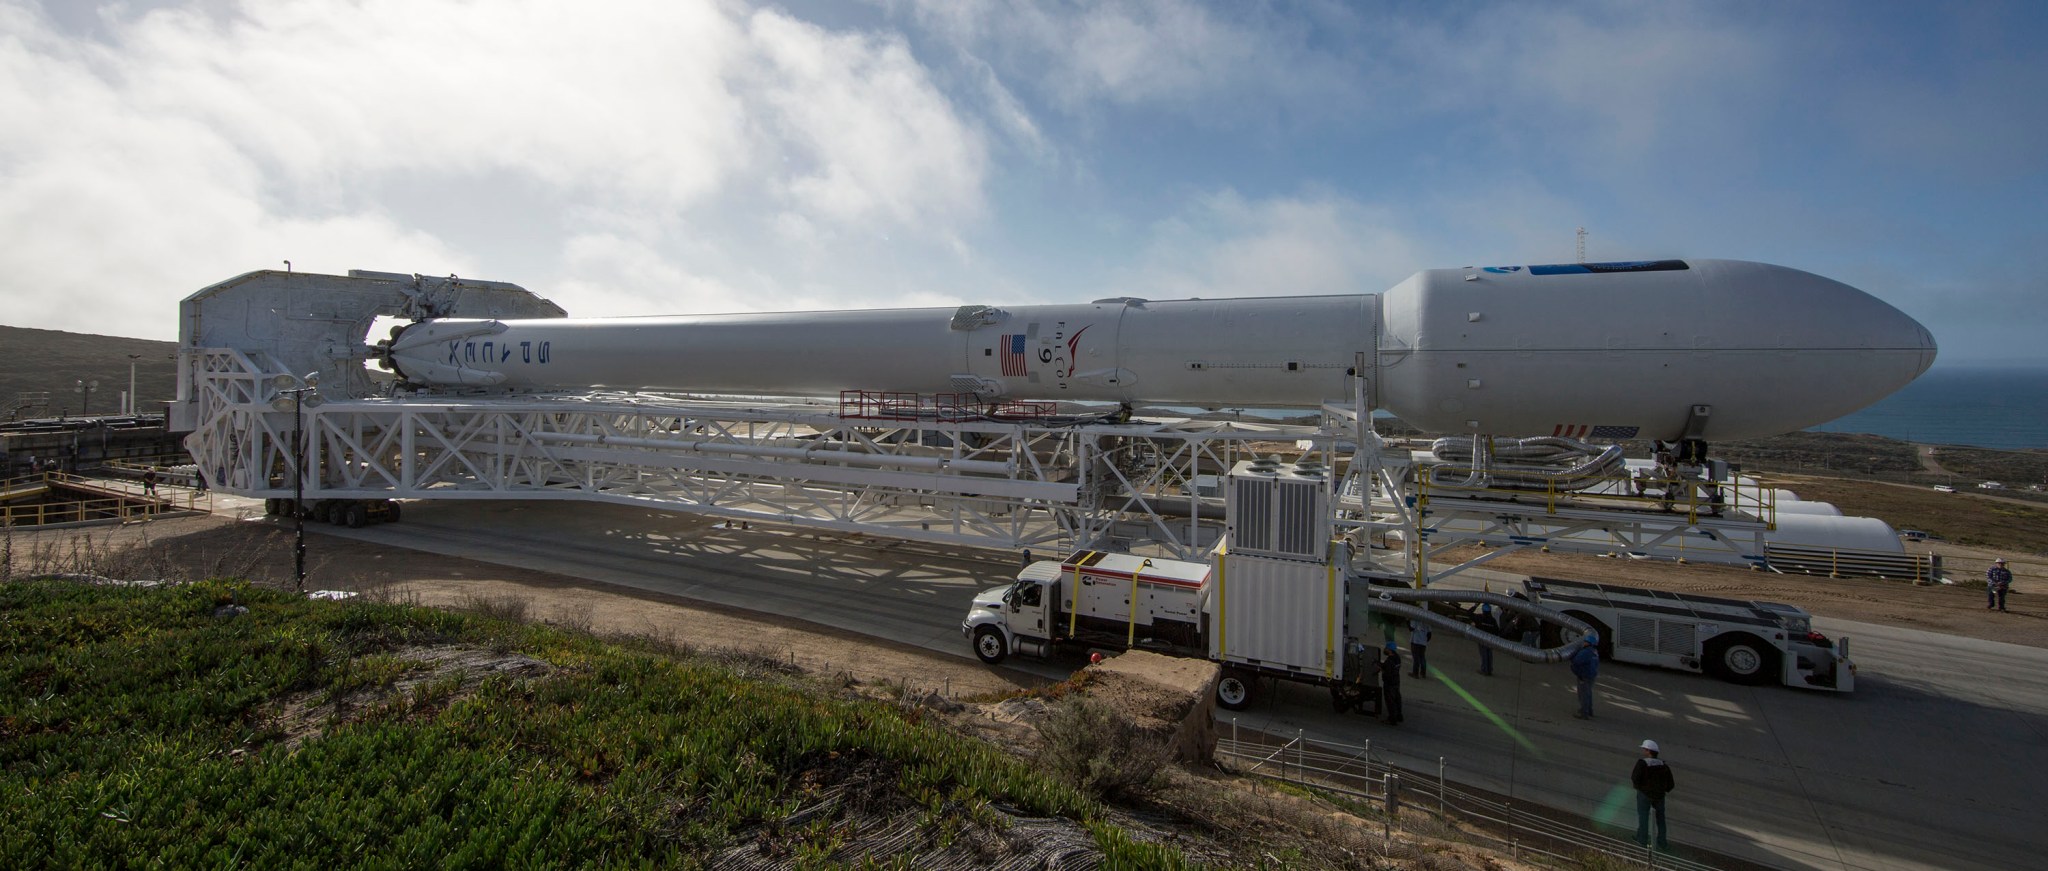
column 1352, row 772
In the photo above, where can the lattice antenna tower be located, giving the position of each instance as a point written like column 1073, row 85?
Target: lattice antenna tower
column 1582, row 244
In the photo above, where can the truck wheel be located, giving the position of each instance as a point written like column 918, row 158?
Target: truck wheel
column 1234, row 690
column 356, row 516
column 1742, row 661
column 393, row 518
column 273, row 507
column 989, row 645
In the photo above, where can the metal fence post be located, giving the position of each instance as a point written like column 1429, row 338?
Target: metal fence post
column 1300, row 765
column 1440, row 788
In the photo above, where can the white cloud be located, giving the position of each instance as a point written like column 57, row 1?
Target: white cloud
column 1127, row 52
column 1602, row 82
column 880, row 140
column 1224, row 245
column 614, row 275
column 175, row 147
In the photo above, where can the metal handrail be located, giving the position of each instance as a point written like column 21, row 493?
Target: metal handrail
column 104, row 508
column 1318, row 766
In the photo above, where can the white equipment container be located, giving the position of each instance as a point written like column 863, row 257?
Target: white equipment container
column 1285, row 617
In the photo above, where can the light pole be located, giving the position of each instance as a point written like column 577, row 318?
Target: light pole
column 293, row 389
column 85, row 389
column 132, row 404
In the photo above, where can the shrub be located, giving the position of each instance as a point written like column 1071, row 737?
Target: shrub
column 1093, row 748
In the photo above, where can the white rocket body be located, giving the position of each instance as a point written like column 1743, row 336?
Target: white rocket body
column 1613, row 350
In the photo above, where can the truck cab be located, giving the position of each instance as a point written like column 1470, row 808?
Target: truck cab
column 1017, row 617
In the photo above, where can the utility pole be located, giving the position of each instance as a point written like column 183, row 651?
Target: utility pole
column 293, row 389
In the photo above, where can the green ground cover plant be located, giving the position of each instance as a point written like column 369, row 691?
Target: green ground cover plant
column 143, row 726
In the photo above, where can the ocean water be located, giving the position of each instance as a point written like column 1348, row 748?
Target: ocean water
column 1985, row 407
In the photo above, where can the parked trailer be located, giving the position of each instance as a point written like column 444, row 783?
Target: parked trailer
column 1258, row 617
column 1739, row 641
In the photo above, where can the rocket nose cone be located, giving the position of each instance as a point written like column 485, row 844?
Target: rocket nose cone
column 1927, row 350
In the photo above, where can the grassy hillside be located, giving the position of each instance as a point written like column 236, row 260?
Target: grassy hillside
column 148, row 726
column 53, row 362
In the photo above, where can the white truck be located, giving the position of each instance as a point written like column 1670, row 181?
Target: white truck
column 1272, row 602
column 1738, row 641
column 1258, row 617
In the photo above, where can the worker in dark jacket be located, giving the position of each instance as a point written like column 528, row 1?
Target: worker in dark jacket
column 1390, row 683
column 1652, row 779
column 1486, row 621
column 1997, row 580
column 1586, row 667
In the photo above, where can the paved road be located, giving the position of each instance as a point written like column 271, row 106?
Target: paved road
column 1932, row 763
column 907, row 592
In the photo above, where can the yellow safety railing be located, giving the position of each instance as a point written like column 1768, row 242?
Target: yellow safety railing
column 95, row 508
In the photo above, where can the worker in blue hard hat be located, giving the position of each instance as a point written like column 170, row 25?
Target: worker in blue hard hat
column 1586, row 667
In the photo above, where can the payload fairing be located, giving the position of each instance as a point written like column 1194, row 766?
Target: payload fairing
column 1655, row 349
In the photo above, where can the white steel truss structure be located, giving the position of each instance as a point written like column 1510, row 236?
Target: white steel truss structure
column 978, row 483
column 930, row 472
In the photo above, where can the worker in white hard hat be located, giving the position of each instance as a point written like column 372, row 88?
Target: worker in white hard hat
column 1997, row 581
column 1652, row 779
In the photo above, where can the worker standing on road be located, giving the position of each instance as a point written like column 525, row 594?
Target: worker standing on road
column 149, row 482
column 1997, row 580
column 1418, row 647
column 1652, row 779
column 1486, row 621
column 1390, row 683
column 1586, row 667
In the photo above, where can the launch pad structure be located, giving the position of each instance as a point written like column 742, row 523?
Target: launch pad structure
column 944, row 470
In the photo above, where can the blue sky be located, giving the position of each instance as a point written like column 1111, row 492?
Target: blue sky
column 687, row 156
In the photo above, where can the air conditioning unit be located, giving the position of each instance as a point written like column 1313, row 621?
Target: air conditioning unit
column 1278, row 510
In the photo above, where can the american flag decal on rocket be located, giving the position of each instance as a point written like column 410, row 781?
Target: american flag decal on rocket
column 1583, row 431
column 1013, row 354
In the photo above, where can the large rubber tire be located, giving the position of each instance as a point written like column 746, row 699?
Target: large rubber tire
column 356, row 515
column 273, row 507
column 1742, row 660
column 318, row 513
column 393, row 517
column 989, row 645
column 1235, row 690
